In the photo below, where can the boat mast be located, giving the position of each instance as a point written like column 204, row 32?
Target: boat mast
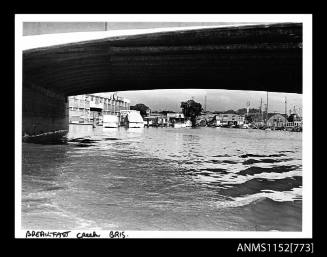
column 247, row 107
column 267, row 109
column 261, row 113
column 205, row 104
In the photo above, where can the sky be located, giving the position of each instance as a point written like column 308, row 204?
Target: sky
column 217, row 99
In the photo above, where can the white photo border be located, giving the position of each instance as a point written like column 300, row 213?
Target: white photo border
column 305, row 19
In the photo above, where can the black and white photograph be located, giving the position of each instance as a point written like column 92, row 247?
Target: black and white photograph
column 163, row 126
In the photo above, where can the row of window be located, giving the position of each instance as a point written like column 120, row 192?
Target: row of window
column 110, row 113
column 121, row 104
column 95, row 99
column 105, row 111
column 78, row 108
column 87, row 104
column 72, row 108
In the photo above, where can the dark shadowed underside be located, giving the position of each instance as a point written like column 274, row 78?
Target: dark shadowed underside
column 254, row 57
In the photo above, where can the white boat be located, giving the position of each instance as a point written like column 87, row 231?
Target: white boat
column 188, row 123
column 134, row 120
column 110, row 121
column 179, row 125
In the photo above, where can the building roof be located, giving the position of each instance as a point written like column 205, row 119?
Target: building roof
column 134, row 117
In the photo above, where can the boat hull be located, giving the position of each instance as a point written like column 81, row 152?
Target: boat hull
column 54, row 137
column 179, row 125
column 135, row 125
column 110, row 125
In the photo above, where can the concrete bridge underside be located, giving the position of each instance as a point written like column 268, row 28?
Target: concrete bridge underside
column 255, row 57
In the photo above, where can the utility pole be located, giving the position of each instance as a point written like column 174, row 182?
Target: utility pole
column 247, row 108
column 267, row 109
column 300, row 112
column 261, row 109
column 285, row 107
column 205, row 104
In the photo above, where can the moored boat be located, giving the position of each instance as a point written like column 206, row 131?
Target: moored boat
column 179, row 125
column 134, row 119
column 110, row 121
column 52, row 137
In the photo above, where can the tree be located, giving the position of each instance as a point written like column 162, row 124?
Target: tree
column 292, row 118
column 241, row 111
column 249, row 118
column 142, row 108
column 230, row 112
column 191, row 110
